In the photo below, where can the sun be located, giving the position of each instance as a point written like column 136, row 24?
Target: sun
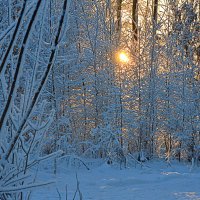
column 123, row 57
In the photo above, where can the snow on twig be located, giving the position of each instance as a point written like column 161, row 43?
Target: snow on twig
column 24, row 187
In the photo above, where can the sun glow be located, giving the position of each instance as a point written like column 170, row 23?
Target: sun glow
column 123, row 57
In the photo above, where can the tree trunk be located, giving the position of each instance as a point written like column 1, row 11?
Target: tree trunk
column 134, row 18
column 119, row 8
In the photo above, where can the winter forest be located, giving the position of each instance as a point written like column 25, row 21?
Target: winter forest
column 99, row 87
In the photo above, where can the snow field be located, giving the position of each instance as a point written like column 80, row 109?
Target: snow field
column 158, row 181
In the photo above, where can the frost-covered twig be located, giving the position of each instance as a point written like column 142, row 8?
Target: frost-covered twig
column 41, row 85
column 77, row 189
column 77, row 158
column 5, row 33
column 58, row 193
column 25, row 187
column 66, row 192
column 33, row 163
column 6, row 56
column 16, row 180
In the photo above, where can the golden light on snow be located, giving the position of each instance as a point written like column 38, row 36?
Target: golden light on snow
column 123, row 57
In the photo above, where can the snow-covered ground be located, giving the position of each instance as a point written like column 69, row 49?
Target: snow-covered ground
column 157, row 181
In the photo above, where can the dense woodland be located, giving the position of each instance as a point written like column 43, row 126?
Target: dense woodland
column 97, row 79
